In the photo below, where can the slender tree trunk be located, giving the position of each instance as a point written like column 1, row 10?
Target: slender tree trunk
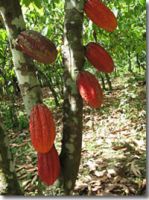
column 23, row 65
column 73, row 56
column 103, row 82
column 108, row 81
column 129, row 62
column 8, row 180
column 137, row 62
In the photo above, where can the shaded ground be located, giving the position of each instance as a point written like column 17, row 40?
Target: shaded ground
column 113, row 150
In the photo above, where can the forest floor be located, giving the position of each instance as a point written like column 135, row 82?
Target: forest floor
column 113, row 159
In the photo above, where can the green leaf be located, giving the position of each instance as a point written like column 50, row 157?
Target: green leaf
column 142, row 2
column 37, row 3
column 26, row 2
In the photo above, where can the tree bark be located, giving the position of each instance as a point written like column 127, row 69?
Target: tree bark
column 23, row 65
column 73, row 57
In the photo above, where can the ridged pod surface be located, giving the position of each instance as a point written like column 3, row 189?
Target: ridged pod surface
column 100, row 14
column 48, row 166
column 89, row 89
column 99, row 57
column 36, row 46
column 42, row 128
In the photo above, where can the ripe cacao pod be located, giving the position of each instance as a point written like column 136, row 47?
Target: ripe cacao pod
column 48, row 166
column 100, row 14
column 89, row 89
column 42, row 128
column 99, row 57
column 36, row 46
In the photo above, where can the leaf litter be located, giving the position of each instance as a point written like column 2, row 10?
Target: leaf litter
column 113, row 161
column 115, row 153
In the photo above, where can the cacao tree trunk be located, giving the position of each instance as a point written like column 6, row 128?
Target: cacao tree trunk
column 23, row 65
column 73, row 54
column 8, row 180
column 73, row 57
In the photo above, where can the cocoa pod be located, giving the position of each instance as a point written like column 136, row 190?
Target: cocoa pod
column 100, row 14
column 48, row 166
column 89, row 89
column 42, row 128
column 99, row 57
column 36, row 46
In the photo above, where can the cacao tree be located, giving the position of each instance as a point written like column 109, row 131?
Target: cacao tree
column 29, row 85
column 23, row 65
column 72, row 38
column 73, row 57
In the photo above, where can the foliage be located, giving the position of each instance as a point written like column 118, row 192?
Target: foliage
column 126, row 44
column 118, row 166
column 113, row 149
column 129, row 37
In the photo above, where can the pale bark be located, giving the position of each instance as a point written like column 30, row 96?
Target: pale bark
column 23, row 65
column 73, row 56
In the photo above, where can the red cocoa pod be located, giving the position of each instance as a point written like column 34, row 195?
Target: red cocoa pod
column 48, row 166
column 42, row 128
column 36, row 46
column 90, row 89
column 99, row 57
column 100, row 14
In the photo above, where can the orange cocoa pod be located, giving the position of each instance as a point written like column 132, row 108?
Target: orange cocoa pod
column 89, row 89
column 36, row 46
column 42, row 128
column 99, row 57
column 100, row 14
column 48, row 166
